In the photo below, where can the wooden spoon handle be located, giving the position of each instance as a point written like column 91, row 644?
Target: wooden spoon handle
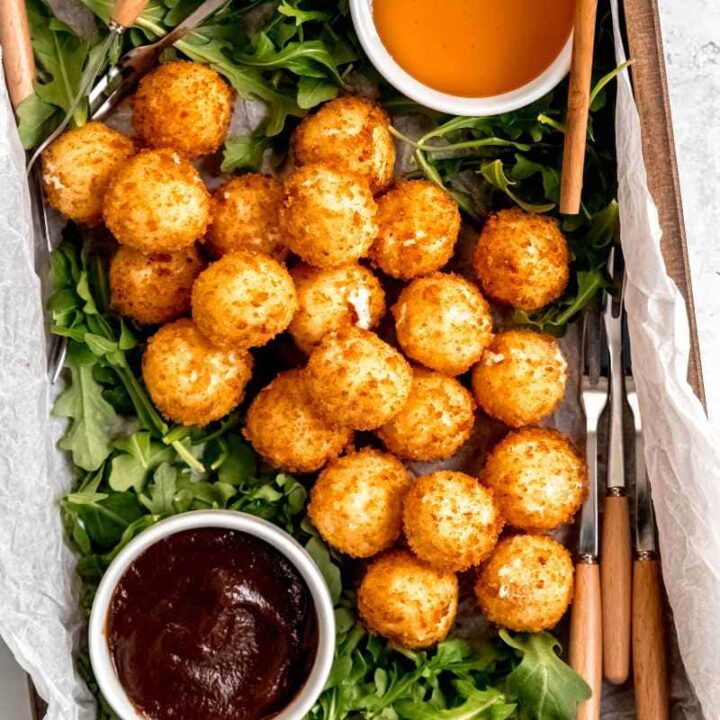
column 649, row 648
column 616, row 583
column 17, row 50
column 578, row 107
column 586, row 636
column 126, row 12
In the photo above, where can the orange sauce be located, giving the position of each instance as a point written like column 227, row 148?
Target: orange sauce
column 474, row 48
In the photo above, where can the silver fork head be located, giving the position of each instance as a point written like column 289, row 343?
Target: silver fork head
column 593, row 385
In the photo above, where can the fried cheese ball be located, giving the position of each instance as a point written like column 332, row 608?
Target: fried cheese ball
column 521, row 377
column 418, row 228
column 357, row 501
column 191, row 381
column 285, row 429
column 443, row 322
column 333, row 298
column 185, row 106
column 522, row 259
column 78, row 166
column 538, row 478
column 154, row 288
column 451, row 520
column 244, row 216
column 527, row 584
column 243, row 300
column 434, row 423
column 157, row 202
column 350, row 133
column 357, row 380
column 328, row 215
column 407, row 600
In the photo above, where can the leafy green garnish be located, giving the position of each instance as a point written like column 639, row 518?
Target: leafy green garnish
column 543, row 685
column 90, row 413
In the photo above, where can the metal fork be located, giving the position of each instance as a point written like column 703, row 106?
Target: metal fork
column 585, row 622
column 648, row 626
column 615, row 550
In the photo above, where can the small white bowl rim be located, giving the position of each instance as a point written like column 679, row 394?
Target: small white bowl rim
column 101, row 658
column 388, row 67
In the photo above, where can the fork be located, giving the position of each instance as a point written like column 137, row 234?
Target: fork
column 615, row 550
column 648, row 627
column 585, row 621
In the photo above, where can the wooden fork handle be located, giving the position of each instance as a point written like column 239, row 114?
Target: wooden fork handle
column 649, row 648
column 586, row 635
column 17, row 50
column 616, row 584
column 126, row 12
column 576, row 123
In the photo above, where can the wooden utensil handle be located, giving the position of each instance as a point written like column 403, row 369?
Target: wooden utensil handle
column 586, row 635
column 616, row 584
column 578, row 106
column 649, row 649
column 17, row 50
column 126, row 12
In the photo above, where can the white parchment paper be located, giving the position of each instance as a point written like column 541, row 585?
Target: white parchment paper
column 38, row 606
column 682, row 457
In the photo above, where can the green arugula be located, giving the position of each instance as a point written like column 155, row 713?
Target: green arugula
column 542, row 684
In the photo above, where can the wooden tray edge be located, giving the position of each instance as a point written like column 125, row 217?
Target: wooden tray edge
column 642, row 23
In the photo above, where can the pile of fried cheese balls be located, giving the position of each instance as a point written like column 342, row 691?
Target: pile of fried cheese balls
column 311, row 253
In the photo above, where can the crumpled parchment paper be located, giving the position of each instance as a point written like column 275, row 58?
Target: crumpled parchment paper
column 38, row 604
column 683, row 458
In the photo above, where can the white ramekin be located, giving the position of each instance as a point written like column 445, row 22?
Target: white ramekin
column 386, row 65
column 101, row 658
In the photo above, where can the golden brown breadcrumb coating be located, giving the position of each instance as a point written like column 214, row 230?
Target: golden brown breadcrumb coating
column 418, row 226
column 357, row 501
column 527, row 584
column 328, row 215
column 77, row 168
column 356, row 379
column 244, row 215
column 443, row 322
column 189, row 380
column 156, row 202
column 285, row 429
column 333, row 298
column 350, row 133
column 185, row 106
column 522, row 259
column 434, row 423
column 451, row 520
column 538, row 477
column 154, row 288
column 521, row 377
column 243, row 300
column 407, row 600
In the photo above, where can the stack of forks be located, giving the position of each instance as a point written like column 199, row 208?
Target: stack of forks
column 617, row 610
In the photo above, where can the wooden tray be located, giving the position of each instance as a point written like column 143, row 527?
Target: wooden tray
column 642, row 23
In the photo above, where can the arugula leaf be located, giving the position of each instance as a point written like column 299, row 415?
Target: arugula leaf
column 239, row 465
column 139, row 455
column 36, row 120
column 488, row 704
column 545, row 687
column 494, row 173
column 313, row 91
column 90, row 414
column 106, row 520
column 161, row 495
column 61, row 56
column 244, row 152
